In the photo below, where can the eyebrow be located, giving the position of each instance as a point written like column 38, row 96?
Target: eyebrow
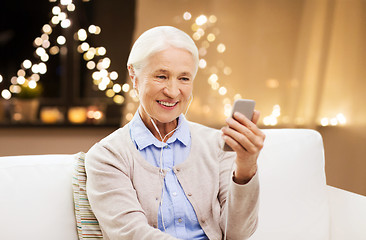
column 161, row 71
column 187, row 74
column 166, row 72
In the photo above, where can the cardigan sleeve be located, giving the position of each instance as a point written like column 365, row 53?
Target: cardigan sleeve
column 239, row 203
column 113, row 198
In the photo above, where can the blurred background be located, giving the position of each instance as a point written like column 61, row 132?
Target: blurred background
column 64, row 85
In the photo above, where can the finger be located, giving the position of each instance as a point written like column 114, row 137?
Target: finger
column 246, row 122
column 238, row 141
column 256, row 116
column 239, row 127
column 234, row 145
column 252, row 132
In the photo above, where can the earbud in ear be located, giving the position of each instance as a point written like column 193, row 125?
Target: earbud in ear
column 131, row 72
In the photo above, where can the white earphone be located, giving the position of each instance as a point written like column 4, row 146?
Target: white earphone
column 161, row 154
column 133, row 79
column 131, row 72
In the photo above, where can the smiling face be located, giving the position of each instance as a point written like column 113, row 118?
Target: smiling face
column 165, row 85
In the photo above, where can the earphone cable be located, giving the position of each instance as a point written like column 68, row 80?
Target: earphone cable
column 161, row 172
column 228, row 199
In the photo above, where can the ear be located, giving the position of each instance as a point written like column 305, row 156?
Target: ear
column 131, row 73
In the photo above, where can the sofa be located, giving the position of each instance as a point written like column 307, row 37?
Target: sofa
column 36, row 194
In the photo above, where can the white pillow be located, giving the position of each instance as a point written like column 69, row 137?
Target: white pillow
column 293, row 200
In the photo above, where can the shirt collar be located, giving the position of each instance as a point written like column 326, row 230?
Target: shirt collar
column 143, row 138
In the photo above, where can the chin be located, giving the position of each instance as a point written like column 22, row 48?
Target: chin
column 167, row 119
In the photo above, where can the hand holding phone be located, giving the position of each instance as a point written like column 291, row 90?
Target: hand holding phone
column 245, row 107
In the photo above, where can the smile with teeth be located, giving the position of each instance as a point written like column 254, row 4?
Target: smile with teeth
column 167, row 104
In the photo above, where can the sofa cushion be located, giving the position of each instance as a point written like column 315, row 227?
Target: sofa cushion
column 36, row 197
column 87, row 223
column 293, row 197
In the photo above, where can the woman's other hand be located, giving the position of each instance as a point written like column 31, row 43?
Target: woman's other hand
column 246, row 139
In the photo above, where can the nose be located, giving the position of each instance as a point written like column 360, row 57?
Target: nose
column 172, row 89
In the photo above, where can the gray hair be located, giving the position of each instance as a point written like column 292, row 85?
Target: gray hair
column 158, row 39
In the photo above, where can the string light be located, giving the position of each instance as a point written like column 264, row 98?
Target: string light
column 101, row 78
column 215, row 85
column 46, row 44
column 61, row 40
column 65, row 23
column 90, row 65
column 55, row 20
column 113, row 75
column 222, row 90
column 92, row 29
column 38, row 41
column 227, row 109
column 62, row 16
column 20, row 80
column 65, row 2
column 71, row 7
column 202, row 19
column 6, row 94
column 271, row 120
column 129, row 116
column 85, row 46
column 32, row 84
column 21, row 72
column 202, row 63
column 54, row 50
column 126, row 87
column 212, row 19
column 213, row 78
column 221, row 48
column 101, row 51
column 211, row 37
column 82, row 34
column 339, row 119
column 227, row 70
column 56, row 10
column 47, row 29
column 187, row 16
column 117, row 88
column 118, row 99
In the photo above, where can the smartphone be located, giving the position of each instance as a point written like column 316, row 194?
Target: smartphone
column 244, row 106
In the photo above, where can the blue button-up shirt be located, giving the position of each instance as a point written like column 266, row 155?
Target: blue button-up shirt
column 179, row 217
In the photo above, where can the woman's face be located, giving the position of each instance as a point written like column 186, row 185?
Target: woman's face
column 165, row 85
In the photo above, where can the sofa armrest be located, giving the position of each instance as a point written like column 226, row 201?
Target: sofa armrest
column 36, row 200
column 348, row 214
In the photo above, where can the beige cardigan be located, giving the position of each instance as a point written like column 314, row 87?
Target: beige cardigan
column 124, row 190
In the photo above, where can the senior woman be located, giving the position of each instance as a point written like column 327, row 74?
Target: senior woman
column 163, row 177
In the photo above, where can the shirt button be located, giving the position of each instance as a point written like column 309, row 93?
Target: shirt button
column 180, row 220
column 189, row 194
column 174, row 194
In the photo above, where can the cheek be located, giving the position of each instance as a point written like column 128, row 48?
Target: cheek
column 148, row 89
column 188, row 91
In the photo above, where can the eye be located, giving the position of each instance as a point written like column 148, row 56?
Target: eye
column 161, row 77
column 185, row 78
